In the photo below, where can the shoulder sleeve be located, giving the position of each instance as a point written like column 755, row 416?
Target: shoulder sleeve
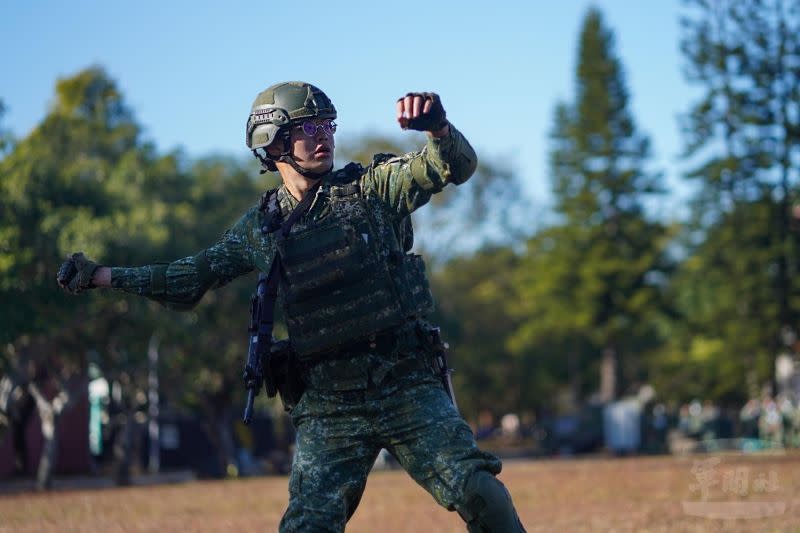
column 182, row 283
column 408, row 182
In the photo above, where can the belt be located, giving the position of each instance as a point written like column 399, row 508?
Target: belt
column 381, row 342
column 384, row 342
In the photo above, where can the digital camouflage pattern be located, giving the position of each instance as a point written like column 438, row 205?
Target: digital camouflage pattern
column 383, row 395
column 339, row 435
column 394, row 189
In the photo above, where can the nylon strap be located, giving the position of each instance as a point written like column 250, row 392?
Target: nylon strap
column 349, row 189
column 204, row 272
column 266, row 319
column 300, row 210
column 158, row 278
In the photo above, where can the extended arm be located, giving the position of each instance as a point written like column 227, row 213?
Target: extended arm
column 179, row 284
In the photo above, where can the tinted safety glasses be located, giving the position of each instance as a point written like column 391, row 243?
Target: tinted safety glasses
column 310, row 127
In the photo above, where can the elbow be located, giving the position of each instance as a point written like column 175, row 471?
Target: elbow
column 470, row 165
column 463, row 160
column 466, row 162
column 186, row 302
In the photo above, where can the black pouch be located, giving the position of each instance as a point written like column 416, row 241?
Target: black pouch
column 286, row 373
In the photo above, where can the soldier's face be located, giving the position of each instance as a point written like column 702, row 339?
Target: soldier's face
column 313, row 152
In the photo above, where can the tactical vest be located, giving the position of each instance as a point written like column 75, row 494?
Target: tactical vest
column 339, row 283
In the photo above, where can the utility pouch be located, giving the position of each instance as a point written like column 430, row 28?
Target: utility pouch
column 286, row 374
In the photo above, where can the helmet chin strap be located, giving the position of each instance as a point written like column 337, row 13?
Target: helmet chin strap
column 288, row 159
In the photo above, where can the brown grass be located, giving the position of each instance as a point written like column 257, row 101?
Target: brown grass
column 641, row 494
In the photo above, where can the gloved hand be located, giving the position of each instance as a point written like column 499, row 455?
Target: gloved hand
column 421, row 112
column 75, row 275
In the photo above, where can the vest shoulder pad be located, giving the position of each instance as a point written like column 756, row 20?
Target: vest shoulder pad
column 348, row 174
column 346, row 181
column 379, row 159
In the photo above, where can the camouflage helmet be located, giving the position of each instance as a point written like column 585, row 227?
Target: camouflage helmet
column 281, row 104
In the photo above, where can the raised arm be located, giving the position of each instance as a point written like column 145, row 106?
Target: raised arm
column 407, row 182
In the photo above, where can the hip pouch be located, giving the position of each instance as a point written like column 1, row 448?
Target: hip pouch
column 286, row 374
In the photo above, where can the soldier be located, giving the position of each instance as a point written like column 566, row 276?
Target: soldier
column 354, row 300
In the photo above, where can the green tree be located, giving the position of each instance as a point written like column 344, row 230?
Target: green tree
column 743, row 137
column 84, row 180
column 58, row 193
column 591, row 285
column 6, row 139
column 722, row 293
column 472, row 295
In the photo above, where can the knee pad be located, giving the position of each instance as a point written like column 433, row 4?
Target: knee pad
column 487, row 506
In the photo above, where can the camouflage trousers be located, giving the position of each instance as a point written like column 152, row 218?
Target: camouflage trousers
column 339, row 436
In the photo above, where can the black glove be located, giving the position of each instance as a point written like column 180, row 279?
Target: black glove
column 436, row 117
column 75, row 275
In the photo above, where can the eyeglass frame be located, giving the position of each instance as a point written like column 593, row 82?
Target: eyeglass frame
column 328, row 126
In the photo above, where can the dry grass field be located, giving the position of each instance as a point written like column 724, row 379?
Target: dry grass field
column 634, row 494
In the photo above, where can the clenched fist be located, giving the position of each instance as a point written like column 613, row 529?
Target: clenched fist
column 75, row 275
column 421, row 112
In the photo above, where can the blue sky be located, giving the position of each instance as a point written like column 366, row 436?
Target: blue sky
column 190, row 70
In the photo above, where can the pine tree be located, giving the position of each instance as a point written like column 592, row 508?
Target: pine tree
column 591, row 280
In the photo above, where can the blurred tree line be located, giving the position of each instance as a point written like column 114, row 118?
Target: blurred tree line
column 608, row 295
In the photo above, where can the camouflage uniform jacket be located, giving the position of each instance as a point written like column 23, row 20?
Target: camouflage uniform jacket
column 393, row 188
